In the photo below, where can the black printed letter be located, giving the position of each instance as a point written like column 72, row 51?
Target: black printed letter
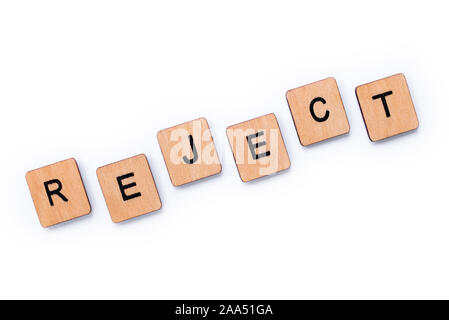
column 253, row 147
column 127, row 186
column 314, row 116
column 57, row 191
column 195, row 153
column 384, row 101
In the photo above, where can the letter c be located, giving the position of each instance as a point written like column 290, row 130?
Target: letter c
column 312, row 111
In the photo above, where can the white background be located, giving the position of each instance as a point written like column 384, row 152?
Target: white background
column 95, row 80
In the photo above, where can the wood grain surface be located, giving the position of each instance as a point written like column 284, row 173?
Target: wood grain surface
column 401, row 115
column 186, row 163
column 68, row 203
column 258, row 147
column 317, row 111
column 128, row 188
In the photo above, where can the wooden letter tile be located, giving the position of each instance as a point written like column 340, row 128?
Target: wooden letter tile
column 189, row 152
column 128, row 188
column 258, row 147
column 317, row 111
column 58, row 192
column 387, row 107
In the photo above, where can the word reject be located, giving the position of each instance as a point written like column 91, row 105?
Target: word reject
column 189, row 152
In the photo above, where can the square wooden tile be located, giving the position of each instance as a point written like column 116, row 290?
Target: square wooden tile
column 58, row 192
column 189, row 152
column 128, row 188
column 258, row 147
column 387, row 107
column 317, row 111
